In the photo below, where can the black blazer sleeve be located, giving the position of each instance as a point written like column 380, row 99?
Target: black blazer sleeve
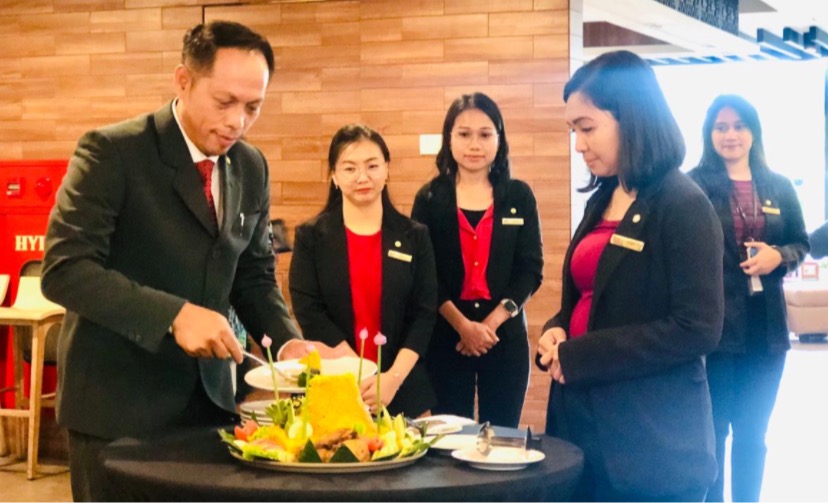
column 421, row 310
column 819, row 241
column 309, row 306
column 527, row 264
column 78, row 249
column 422, row 213
column 794, row 245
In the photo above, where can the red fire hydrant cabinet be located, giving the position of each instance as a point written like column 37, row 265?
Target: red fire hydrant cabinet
column 27, row 194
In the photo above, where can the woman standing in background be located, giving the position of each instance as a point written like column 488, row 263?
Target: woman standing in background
column 361, row 265
column 641, row 302
column 486, row 235
column 765, row 238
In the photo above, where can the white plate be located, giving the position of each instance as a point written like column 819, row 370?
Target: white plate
column 454, row 442
column 260, row 378
column 258, row 407
column 370, row 466
column 500, row 458
column 444, row 424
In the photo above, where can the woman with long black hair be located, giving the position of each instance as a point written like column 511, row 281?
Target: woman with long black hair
column 765, row 238
column 361, row 267
column 486, row 234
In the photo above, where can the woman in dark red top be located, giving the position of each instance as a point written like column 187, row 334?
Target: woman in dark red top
column 360, row 265
column 759, row 212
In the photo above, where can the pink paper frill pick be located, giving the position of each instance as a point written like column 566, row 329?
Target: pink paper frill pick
column 363, row 334
column 267, row 342
column 380, row 341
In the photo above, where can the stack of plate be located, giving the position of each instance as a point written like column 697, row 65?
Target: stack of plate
column 247, row 409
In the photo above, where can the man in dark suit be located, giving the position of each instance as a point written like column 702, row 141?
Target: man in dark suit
column 149, row 246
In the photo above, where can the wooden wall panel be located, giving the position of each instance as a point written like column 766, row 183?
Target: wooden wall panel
column 380, row 30
column 456, row 6
column 445, row 27
column 475, row 49
column 140, row 63
column 50, row 66
column 121, row 21
column 321, row 12
column 180, row 17
column 51, row 24
column 394, row 65
column 89, row 43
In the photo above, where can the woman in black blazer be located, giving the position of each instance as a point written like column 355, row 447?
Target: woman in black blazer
column 480, row 340
column 339, row 287
column 759, row 211
column 641, row 301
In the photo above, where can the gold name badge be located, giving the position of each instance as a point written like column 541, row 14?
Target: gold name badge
column 399, row 255
column 512, row 221
column 628, row 243
column 770, row 210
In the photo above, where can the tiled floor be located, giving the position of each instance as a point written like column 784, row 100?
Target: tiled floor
column 797, row 440
column 53, row 485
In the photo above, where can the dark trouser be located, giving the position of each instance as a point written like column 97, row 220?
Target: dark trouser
column 86, row 469
column 596, row 487
column 500, row 391
column 743, row 391
column 86, row 473
column 500, row 377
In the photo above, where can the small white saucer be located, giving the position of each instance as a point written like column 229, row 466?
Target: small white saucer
column 500, row 458
column 451, row 443
column 444, row 424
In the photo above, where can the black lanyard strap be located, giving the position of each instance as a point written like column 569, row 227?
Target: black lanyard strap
column 749, row 229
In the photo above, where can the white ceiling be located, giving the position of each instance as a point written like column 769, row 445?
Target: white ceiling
column 686, row 37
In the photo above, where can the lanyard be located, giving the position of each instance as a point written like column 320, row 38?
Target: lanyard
column 749, row 230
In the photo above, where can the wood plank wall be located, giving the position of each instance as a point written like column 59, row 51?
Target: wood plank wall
column 71, row 65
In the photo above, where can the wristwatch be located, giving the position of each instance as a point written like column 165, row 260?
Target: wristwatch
column 510, row 307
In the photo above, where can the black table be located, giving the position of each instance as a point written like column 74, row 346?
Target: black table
column 193, row 465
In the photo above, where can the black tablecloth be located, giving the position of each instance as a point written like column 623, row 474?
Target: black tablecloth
column 194, row 465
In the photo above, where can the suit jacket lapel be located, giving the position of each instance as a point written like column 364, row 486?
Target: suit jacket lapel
column 229, row 174
column 632, row 227
column 337, row 255
column 392, row 234
column 186, row 182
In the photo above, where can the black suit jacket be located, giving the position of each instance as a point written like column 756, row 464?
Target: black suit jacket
column 819, row 241
column 784, row 228
column 320, row 290
column 129, row 241
column 636, row 396
column 515, row 268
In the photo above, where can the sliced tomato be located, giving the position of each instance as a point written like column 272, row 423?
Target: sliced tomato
column 244, row 432
column 375, row 444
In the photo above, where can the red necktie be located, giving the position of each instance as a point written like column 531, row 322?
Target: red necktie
column 205, row 169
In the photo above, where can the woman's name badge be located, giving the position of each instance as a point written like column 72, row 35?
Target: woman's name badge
column 628, row 243
column 770, row 210
column 512, row 221
column 399, row 255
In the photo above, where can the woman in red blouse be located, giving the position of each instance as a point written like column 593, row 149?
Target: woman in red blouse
column 486, row 235
column 360, row 265
column 641, row 300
